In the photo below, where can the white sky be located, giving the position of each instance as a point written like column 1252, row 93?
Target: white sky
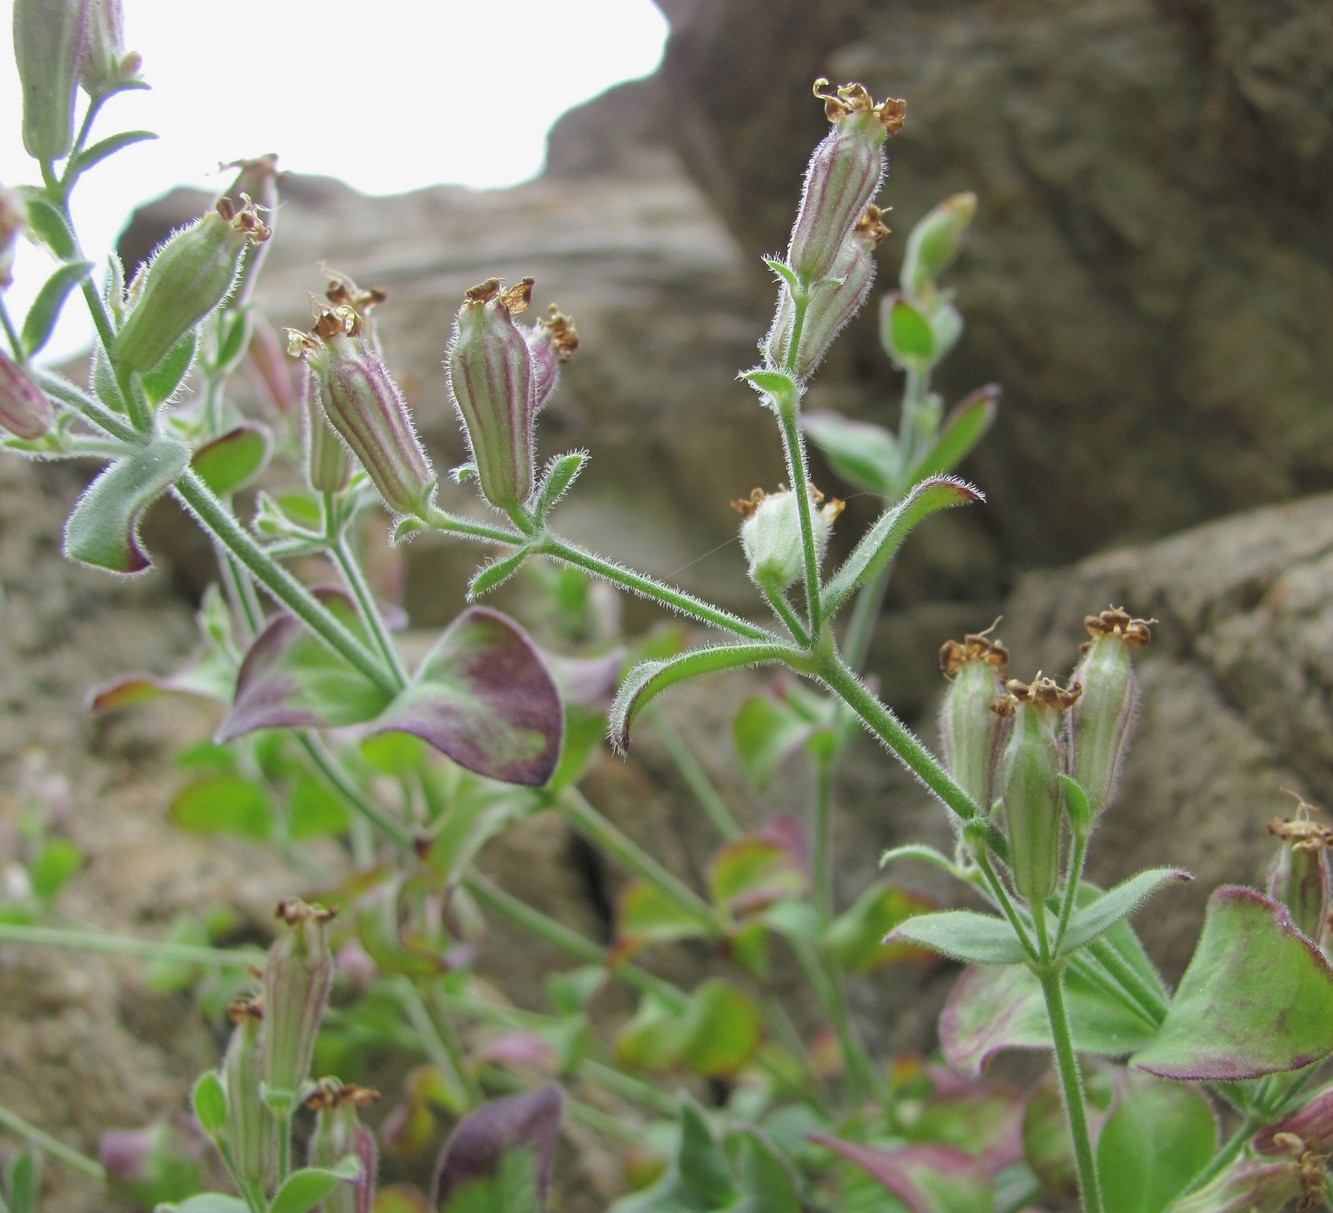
column 388, row 95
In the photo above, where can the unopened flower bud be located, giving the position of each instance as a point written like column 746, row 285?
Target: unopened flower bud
column 843, row 176
column 328, row 462
column 25, row 410
column 187, row 278
column 297, row 977
column 933, row 244
column 976, row 715
column 13, row 219
column 251, row 1133
column 105, row 65
column 831, row 303
column 1033, row 793
column 49, row 41
column 771, row 534
column 1102, row 721
column 1299, row 875
column 363, row 404
column 493, row 383
column 338, row 1133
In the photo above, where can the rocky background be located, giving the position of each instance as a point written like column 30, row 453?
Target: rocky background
column 1150, row 278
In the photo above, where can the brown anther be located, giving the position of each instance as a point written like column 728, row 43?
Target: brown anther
column 518, row 297
column 1302, row 833
column 241, row 1009
column 293, row 910
column 1118, row 621
column 871, row 225
column 564, row 336
column 245, row 220
column 343, row 292
column 330, row 1093
column 976, row 646
column 747, row 506
column 483, row 292
column 1043, row 692
column 855, row 98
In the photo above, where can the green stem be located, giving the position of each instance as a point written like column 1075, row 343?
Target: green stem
column 57, row 1149
column 821, row 847
column 628, row 1087
column 793, row 450
column 439, row 1041
column 648, row 587
column 696, row 778
column 92, row 410
column 352, row 574
column 1051, row 976
column 782, row 609
column 11, row 334
column 1149, row 999
column 1072, row 879
column 222, row 524
column 337, row 778
column 284, row 1118
column 879, row 720
column 478, row 532
column 1002, row 899
column 120, row 945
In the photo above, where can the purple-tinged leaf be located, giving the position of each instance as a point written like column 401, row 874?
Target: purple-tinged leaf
column 926, row 1178
column 205, row 676
column 525, row 1050
column 234, row 458
column 1047, row 1148
column 484, row 697
column 289, row 679
column 983, row 1118
column 646, row 916
column 475, row 1152
column 103, row 529
column 749, row 875
column 1257, row 997
column 856, row 937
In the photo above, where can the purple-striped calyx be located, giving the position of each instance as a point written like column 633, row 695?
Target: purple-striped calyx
column 976, row 714
column 297, row 976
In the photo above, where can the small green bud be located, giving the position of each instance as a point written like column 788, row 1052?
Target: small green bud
column 975, row 717
column 338, row 1133
column 832, row 301
column 1032, row 791
column 1299, row 874
column 364, row 406
column 25, row 410
column 187, row 278
column 1101, row 722
column 328, row 462
column 933, row 244
column 297, row 977
column 50, row 37
column 843, row 176
column 251, row 1132
column 771, row 534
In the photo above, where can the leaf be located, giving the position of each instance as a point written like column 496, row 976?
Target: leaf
column 45, row 310
column 223, row 804
column 926, row 1178
column 864, row 455
column 649, row 679
column 699, row 1178
column 161, row 383
column 103, row 529
column 103, row 148
column 906, row 333
column 208, row 675
column 963, row 935
column 233, row 459
column 749, row 875
column 477, row 1149
column 778, row 386
column 560, row 474
column 722, row 1029
column 855, row 939
column 48, row 224
column 1158, row 1137
column 290, row 679
column 1257, row 997
column 879, row 544
column 55, row 863
column 207, row 1202
column 210, row 1103
column 484, row 697
column 313, row 811
column 766, row 732
column 646, row 916
column 1090, row 920
column 302, row 1190
column 764, row 1176
column 494, row 574
column 963, row 428
column 24, row 1181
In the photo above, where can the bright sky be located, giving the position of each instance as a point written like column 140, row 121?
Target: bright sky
column 388, row 95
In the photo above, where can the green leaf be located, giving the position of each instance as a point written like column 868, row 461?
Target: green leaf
column 650, row 678
column 230, row 461
column 207, row 1202
column 1090, row 920
column 313, row 811
column 927, row 1178
column 750, row 874
column 54, row 864
column 561, row 472
column 103, row 529
column 494, row 574
column 45, row 310
column 1157, row 1138
column 767, row 731
column 863, row 454
column 235, row 327
column 394, row 753
column 778, row 386
column 1257, row 997
column 784, row 273
column 963, row 428
column 304, row 1189
column 210, row 1103
column 906, row 333
column 24, row 1181
column 855, row 939
column 722, row 1029
column 646, row 916
column 764, row 1176
column 964, row 935
column 109, row 146
column 699, row 1178
column 223, row 804
column 879, row 544
column 162, row 382
column 48, row 224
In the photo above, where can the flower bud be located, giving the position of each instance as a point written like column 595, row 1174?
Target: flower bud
column 328, row 462
column 976, row 715
column 1299, row 875
column 363, row 404
column 831, row 303
column 1102, row 721
column 25, row 410
column 771, row 534
column 297, row 977
column 933, row 244
column 493, row 383
column 105, row 65
column 187, row 278
column 843, row 176
column 1033, row 794
column 13, row 219
column 1247, row 1186
column 338, row 1133
column 49, row 41
column 251, row 1133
